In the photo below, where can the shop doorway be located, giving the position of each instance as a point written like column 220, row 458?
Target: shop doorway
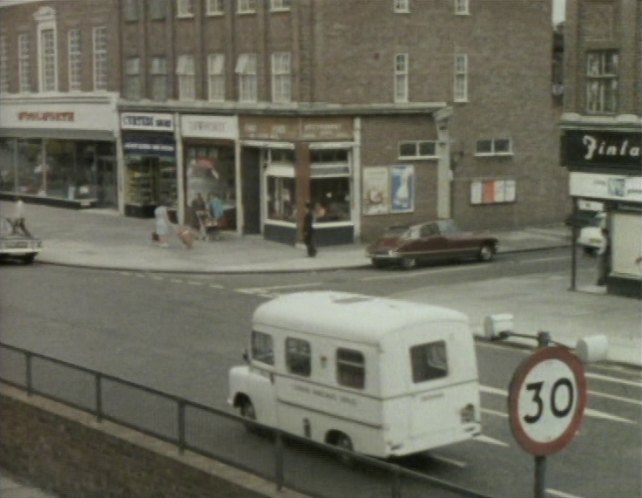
column 106, row 188
column 251, row 189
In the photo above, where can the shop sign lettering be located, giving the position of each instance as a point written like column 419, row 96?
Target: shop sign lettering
column 152, row 122
column 47, row 116
column 604, row 150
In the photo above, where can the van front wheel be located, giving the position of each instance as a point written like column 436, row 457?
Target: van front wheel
column 248, row 412
column 345, row 443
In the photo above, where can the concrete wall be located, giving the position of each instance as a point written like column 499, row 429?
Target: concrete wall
column 70, row 454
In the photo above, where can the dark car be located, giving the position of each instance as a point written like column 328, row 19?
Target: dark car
column 17, row 245
column 442, row 239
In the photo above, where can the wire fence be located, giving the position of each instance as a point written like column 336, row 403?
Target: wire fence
column 282, row 458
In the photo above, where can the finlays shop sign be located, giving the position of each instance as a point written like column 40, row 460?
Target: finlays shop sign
column 604, row 150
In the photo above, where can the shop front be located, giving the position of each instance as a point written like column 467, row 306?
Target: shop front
column 605, row 169
column 60, row 153
column 210, row 167
column 296, row 161
column 149, row 153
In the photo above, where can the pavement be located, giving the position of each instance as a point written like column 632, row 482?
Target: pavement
column 103, row 239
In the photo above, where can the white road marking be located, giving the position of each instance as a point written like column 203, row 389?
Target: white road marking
column 545, row 260
column 216, row 286
column 414, row 274
column 614, row 380
column 489, row 440
column 274, row 291
column 616, row 398
column 194, row 282
column 495, row 412
column 176, row 280
column 450, row 461
column 589, row 412
column 560, row 494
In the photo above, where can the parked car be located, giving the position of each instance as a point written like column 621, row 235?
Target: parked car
column 17, row 245
column 441, row 239
column 590, row 238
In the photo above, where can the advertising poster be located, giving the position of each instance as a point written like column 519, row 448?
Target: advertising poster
column 376, row 190
column 402, row 179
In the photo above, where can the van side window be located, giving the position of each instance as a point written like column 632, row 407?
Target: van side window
column 429, row 361
column 262, row 349
column 297, row 356
column 351, row 368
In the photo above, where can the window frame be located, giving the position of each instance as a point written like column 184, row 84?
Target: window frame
column 24, row 63
column 421, row 373
column 100, row 57
column 157, row 10
column 186, row 77
column 48, row 60
column 158, row 70
column 132, row 75
column 401, row 77
column 401, row 6
column 216, row 79
column 267, row 357
column 4, row 64
column 214, row 8
column 246, row 7
column 493, row 148
column 298, row 361
column 74, row 59
column 602, row 86
column 247, row 73
column 347, row 378
column 130, row 11
column 280, row 5
column 417, row 146
column 184, row 9
column 281, row 65
column 462, row 7
column 460, row 78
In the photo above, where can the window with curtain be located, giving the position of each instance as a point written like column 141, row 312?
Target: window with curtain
column 602, row 81
column 186, row 75
column 247, row 77
column 132, row 78
column 216, row 77
column 158, row 72
column 281, row 77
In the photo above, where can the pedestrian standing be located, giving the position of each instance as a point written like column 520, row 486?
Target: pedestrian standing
column 604, row 258
column 308, row 230
column 162, row 225
column 18, row 221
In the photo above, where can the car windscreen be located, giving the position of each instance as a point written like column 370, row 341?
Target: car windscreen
column 401, row 232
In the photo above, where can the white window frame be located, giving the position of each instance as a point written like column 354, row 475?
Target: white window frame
column 24, row 63
column 493, row 147
column 246, row 69
column 132, row 78
column 246, row 6
column 216, row 77
column 401, row 6
column 4, row 65
column 602, row 68
column 214, row 8
column 460, row 84
column 401, row 65
column 281, row 77
column 417, row 146
column 74, row 62
column 159, row 75
column 280, row 5
column 184, row 8
column 462, row 7
column 99, row 37
column 186, row 76
column 48, row 63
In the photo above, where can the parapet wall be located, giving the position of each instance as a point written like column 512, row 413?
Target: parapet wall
column 69, row 453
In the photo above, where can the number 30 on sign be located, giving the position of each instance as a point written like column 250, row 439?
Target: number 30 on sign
column 546, row 400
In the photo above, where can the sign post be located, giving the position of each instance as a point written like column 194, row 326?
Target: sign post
column 546, row 402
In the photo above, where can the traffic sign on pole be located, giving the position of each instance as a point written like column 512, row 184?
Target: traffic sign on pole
column 546, row 400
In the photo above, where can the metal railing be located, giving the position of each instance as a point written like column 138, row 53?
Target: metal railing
column 206, row 431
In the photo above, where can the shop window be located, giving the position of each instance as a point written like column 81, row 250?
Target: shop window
column 429, row 361
column 331, row 198
column 298, row 357
column 262, row 348
column 151, row 180
column 351, row 368
column 281, row 199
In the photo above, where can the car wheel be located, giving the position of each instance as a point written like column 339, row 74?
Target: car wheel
column 408, row 263
column 248, row 412
column 345, row 443
column 377, row 263
column 590, row 251
column 486, row 253
column 27, row 259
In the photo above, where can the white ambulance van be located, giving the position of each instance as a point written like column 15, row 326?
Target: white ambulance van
column 378, row 376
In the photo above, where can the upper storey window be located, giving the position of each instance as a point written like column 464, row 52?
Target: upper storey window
column 602, row 68
column 461, row 78
column 280, row 5
column 130, row 10
column 74, row 50
column 401, row 78
column 185, row 8
column 246, row 6
column 4, row 65
column 24, row 63
column 214, row 7
column 246, row 68
column 401, row 6
column 45, row 17
column 157, row 9
column 100, row 58
column 462, row 7
column 281, row 77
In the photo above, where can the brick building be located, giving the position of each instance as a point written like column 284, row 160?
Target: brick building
column 381, row 112
column 602, row 125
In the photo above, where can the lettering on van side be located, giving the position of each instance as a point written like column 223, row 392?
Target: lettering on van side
column 325, row 394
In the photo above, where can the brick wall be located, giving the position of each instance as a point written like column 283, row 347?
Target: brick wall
column 70, row 454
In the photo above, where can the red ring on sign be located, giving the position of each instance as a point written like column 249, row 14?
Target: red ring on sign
column 575, row 365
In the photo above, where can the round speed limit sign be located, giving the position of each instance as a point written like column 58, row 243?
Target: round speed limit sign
column 546, row 400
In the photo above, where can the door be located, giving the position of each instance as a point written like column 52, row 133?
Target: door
column 251, row 189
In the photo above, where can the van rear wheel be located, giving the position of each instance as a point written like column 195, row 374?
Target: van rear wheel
column 345, row 443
